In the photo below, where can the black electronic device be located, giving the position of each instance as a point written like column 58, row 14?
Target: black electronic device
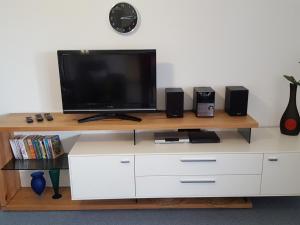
column 39, row 117
column 48, row 116
column 203, row 137
column 236, row 100
column 174, row 98
column 108, row 82
column 204, row 101
column 29, row 119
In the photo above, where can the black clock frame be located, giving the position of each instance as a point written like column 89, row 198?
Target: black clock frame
column 123, row 17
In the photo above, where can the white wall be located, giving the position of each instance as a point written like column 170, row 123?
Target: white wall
column 199, row 42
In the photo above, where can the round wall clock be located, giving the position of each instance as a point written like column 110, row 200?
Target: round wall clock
column 123, row 17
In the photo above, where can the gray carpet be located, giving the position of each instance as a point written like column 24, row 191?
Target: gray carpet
column 266, row 211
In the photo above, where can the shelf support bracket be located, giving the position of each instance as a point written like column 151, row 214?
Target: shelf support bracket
column 134, row 140
column 246, row 133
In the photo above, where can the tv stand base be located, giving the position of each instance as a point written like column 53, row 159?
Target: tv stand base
column 109, row 116
column 46, row 203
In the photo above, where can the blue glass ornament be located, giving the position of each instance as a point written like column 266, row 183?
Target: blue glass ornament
column 38, row 182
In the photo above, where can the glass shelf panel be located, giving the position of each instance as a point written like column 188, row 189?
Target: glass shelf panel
column 38, row 164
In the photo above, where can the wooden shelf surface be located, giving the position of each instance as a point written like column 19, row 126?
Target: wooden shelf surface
column 26, row 200
column 150, row 121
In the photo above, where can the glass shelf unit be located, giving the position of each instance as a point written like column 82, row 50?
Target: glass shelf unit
column 38, row 164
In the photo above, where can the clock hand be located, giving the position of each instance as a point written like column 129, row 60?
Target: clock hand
column 127, row 17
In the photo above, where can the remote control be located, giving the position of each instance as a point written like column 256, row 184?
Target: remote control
column 39, row 117
column 29, row 119
column 48, row 116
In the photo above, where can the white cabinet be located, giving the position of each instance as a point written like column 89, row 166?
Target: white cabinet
column 102, row 167
column 281, row 174
column 102, row 177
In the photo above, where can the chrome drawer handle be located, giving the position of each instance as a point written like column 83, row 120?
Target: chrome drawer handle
column 125, row 161
column 197, row 181
column 198, row 160
column 273, row 159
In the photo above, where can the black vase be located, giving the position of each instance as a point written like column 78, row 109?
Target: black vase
column 289, row 123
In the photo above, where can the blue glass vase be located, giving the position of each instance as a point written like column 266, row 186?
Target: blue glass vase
column 38, row 182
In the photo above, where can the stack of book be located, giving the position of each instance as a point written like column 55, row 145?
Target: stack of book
column 36, row 147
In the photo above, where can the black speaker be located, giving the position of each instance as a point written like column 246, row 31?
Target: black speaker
column 236, row 100
column 174, row 102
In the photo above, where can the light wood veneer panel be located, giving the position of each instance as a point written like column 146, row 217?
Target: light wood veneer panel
column 68, row 122
column 9, row 180
column 26, row 200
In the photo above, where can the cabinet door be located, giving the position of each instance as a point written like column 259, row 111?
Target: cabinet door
column 102, row 177
column 281, row 174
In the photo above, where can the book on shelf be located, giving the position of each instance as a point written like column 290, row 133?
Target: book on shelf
column 31, row 148
column 42, row 148
column 20, row 141
column 55, row 146
column 15, row 149
column 36, row 147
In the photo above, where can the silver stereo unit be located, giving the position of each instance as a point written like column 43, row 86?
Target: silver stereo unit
column 171, row 137
column 204, row 101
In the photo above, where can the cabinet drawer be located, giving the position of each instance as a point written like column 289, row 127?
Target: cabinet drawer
column 102, row 177
column 197, row 186
column 281, row 174
column 201, row 164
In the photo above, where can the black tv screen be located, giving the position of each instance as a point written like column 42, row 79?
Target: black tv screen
column 107, row 80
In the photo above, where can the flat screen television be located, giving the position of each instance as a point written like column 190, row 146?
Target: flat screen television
column 108, row 82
